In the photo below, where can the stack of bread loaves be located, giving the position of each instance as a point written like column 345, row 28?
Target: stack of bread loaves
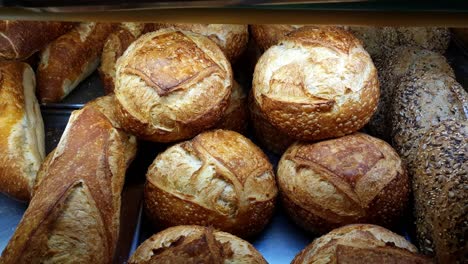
column 313, row 89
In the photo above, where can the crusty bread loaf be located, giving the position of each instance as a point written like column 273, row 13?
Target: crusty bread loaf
column 356, row 244
column 352, row 179
column 21, row 39
column 316, row 83
column 268, row 35
column 69, row 59
column 74, row 214
column 235, row 117
column 267, row 135
column 195, row 244
column 440, row 191
column 171, row 85
column 400, row 62
column 114, row 47
column 232, row 39
column 380, row 41
column 421, row 101
column 219, row 178
column 21, row 130
column 431, row 38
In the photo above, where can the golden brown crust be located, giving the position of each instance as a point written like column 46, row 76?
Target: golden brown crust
column 195, row 244
column 440, row 195
column 164, row 98
column 74, row 213
column 21, row 39
column 114, row 47
column 268, row 35
column 70, row 59
column 211, row 180
column 370, row 242
column 317, row 83
column 353, row 179
column 21, row 130
column 421, row 101
column 266, row 134
column 232, row 39
column 235, row 118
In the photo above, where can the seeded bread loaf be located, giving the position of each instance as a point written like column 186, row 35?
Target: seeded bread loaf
column 440, row 191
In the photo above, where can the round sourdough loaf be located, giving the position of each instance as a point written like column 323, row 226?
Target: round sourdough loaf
column 440, row 191
column 232, row 39
column 171, row 85
column 267, row 135
column 219, row 179
column 352, row 179
column 193, row 245
column 316, row 83
column 266, row 36
column 236, row 115
column 356, row 244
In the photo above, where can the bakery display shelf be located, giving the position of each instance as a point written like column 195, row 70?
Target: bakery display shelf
column 278, row 243
column 453, row 13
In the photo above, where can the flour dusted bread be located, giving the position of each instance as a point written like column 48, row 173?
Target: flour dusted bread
column 21, row 130
column 316, row 83
column 421, row 101
column 21, row 39
column 219, row 179
column 195, row 244
column 171, row 85
column 440, row 194
column 352, row 179
column 355, row 244
column 69, row 59
column 232, row 39
column 400, row 62
column 74, row 214
column 236, row 115
column 114, row 47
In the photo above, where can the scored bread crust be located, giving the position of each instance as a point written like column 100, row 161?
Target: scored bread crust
column 21, row 39
column 316, row 83
column 440, row 195
column 171, row 85
column 75, row 211
column 400, row 62
column 219, row 178
column 21, row 130
column 232, row 39
column 421, row 101
column 114, row 47
column 235, row 118
column 71, row 58
column 352, row 179
column 195, row 244
column 372, row 243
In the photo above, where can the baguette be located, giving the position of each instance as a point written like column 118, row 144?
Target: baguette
column 115, row 46
column 74, row 214
column 21, row 130
column 20, row 39
column 70, row 59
